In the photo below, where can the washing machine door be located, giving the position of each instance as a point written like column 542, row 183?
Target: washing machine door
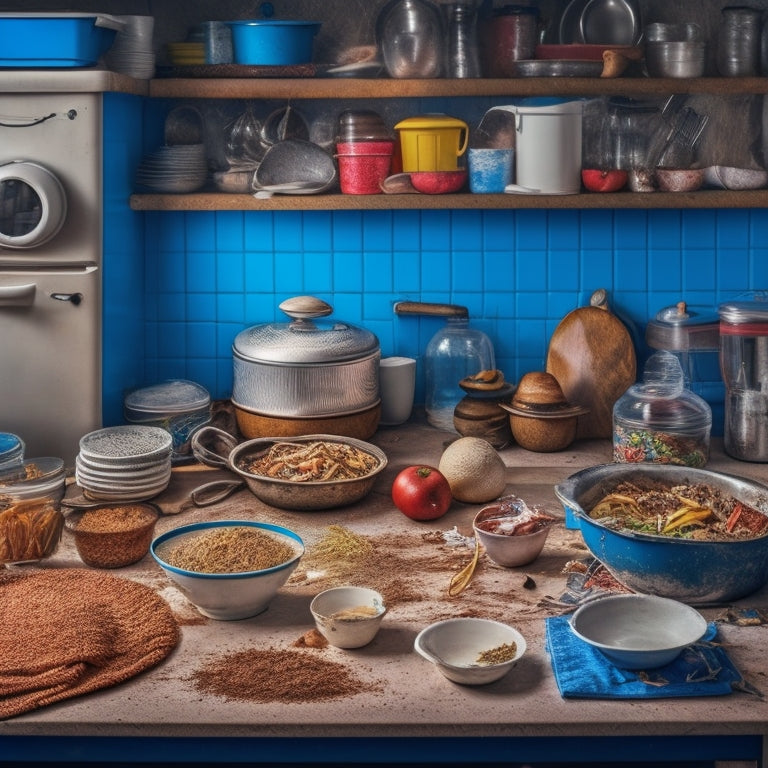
column 33, row 204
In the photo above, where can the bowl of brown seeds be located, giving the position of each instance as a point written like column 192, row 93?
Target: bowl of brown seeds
column 228, row 569
column 113, row 535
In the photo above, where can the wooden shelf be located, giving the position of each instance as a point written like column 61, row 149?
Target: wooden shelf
column 349, row 88
column 221, row 201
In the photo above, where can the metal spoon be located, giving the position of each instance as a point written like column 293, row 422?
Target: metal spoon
column 461, row 580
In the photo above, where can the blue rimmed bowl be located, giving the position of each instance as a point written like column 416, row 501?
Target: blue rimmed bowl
column 229, row 596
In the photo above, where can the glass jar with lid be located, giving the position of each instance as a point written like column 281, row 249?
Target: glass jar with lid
column 659, row 420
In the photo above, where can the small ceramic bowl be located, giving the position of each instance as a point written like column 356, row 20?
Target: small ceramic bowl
column 439, row 182
column 471, row 651
column 638, row 631
column 679, row 179
column 510, row 549
column 348, row 617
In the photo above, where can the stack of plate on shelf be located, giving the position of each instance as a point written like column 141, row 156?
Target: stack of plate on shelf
column 133, row 52
column 126, row 463
column 174, row 168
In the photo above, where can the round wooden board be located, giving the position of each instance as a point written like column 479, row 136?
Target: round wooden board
column 592, row 357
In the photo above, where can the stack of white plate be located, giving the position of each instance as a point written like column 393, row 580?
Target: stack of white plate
column 133, row 52
column 174, row 168
column 126, row 463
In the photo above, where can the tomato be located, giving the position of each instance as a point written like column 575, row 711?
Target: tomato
column 596, row 180
column 421, row 493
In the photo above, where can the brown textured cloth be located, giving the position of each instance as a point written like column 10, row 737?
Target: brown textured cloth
column 67, row 632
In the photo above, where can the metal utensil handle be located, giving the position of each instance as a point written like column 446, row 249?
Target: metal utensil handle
column 206, row 455
column 430, row 308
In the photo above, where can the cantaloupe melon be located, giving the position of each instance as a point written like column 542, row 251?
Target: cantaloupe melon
column 474, row 470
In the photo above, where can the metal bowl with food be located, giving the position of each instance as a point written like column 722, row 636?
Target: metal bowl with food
column 308, row 472
column 710, row 546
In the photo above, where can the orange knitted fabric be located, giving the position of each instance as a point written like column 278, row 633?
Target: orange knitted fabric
column 67, row 632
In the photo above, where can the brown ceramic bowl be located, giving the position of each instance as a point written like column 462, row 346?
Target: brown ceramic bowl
column 543, row 434
column 439, row 182
column 679, row 179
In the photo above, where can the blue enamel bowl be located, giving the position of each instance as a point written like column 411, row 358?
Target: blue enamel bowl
column 691, row 571
column 273, row 42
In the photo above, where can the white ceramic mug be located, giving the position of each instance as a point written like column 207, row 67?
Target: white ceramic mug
column 397, row 378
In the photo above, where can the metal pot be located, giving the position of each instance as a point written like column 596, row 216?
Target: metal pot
column 291, row 376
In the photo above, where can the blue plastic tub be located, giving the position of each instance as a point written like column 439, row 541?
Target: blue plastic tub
column 53, row 40
column 273, row 43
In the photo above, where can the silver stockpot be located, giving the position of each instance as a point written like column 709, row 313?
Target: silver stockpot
column 307, row 375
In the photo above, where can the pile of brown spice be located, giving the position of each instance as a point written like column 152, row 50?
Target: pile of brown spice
column 275, row 675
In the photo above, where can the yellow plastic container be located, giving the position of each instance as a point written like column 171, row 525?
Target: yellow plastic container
column 432, row 142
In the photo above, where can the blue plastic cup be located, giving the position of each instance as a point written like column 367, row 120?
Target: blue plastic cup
column 490, row 170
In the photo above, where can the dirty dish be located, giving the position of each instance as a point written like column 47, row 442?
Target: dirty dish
column 302, row 165
column 471, row 651
column 231, row 594
column 638, row 631
column 348, row 617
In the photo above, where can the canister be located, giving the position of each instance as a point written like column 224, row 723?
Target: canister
column 692, row 334
column 744, row 366
column 177, row 406
column 659, row 420
column 432, row 142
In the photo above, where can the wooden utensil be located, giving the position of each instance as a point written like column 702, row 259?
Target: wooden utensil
column 593, row 359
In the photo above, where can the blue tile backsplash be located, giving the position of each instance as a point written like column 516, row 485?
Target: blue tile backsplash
column 209, row 275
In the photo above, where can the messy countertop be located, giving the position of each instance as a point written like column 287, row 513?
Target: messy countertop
column 268, row 677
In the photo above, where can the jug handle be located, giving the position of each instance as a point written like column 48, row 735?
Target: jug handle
column 465, row 141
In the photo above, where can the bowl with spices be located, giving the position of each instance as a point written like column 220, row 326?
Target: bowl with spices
column 348, row 617
column 228, row 569
column 31, row 520
column 471, row 651
column 113, row 535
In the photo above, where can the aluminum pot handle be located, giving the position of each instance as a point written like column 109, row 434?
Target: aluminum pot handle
column 203, row 438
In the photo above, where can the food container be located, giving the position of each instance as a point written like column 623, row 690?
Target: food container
column 114, row 535
column 11, row 451
column 177, row 406
column 30, row 510
column 432, row 142
column 307, row 375
column 261, row 42
column 55, row 39
column 659, row 420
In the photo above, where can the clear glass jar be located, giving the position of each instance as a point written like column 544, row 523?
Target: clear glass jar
column 455, row 352
column 658, row 420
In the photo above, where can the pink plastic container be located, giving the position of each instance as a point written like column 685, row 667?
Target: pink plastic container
column 363, row 165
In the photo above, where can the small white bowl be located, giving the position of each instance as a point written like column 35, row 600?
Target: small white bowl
column 638, row 631
column 348, row 617
column 510, row 550
column 455, row 645
column 230, row 596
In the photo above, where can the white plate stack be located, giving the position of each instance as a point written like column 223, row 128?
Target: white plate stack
column 133, row 52
column 174, row 168
column 126, row 463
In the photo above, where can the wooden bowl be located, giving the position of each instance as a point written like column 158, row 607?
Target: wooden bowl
column 541, row 434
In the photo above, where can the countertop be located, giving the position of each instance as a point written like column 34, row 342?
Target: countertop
column 523, row 715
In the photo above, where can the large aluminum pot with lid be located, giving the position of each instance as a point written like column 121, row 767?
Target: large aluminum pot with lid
column 306, row 375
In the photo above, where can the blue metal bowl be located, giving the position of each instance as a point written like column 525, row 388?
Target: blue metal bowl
column 695, row 572
column 273, row 42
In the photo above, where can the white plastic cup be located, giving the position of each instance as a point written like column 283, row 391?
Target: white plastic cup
column 397, row 379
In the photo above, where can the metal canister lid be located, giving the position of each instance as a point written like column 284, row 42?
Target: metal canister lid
column 174, row 396
column 679, row 327
column 306, row 339
column 743, row 312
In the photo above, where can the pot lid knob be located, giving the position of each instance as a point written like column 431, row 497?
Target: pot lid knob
column 305, row 307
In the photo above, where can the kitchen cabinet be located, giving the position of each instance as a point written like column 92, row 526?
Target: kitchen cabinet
column 296, row 89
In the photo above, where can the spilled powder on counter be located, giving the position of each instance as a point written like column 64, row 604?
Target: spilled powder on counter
column 274, row 675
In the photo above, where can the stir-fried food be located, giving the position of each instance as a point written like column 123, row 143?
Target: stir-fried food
column 695, row 511
column 311, row 462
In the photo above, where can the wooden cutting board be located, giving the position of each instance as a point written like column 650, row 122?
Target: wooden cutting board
column 593, row 359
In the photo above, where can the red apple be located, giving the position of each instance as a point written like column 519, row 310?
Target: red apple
column 421, row 493
column 598, row 180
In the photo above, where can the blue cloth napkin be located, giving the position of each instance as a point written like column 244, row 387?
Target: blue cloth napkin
column 581, row 671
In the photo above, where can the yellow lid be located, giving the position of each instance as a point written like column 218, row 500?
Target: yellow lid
column 431, row 121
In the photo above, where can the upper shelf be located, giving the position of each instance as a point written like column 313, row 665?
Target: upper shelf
column 349, row 88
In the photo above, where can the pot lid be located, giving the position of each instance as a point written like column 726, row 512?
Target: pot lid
column 430, row 122
column 306, row 339
column 681, row 327
column 751, row 307
column 174, row 396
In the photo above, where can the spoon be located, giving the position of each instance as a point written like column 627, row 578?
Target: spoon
column 461, row 580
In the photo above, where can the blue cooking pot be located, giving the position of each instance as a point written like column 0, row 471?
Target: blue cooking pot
column 691, row 571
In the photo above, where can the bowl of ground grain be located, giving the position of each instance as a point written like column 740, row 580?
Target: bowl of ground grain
column 348, row 617
column 471, row 651
column 228, row 569
column 113, row 535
